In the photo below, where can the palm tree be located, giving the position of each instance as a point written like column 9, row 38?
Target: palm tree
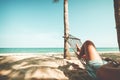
column 66, row 30
column 117, row 19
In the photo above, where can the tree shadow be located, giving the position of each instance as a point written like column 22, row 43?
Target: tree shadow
column 17, row 70
column 74, row 72
column 3, row 77
column 11, row 69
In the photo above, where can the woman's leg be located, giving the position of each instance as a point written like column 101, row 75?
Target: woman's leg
column 94, row 61
column 89, row 51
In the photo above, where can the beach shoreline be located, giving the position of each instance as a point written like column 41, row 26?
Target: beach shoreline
column 117, row 53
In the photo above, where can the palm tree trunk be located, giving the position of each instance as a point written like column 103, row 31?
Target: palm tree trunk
column 117, row 19
column 66, row 30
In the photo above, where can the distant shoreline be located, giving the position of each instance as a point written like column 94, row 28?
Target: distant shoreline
column 72, row 53
column 50, row 50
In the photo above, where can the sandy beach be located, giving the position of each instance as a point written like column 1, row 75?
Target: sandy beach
column 44, row 67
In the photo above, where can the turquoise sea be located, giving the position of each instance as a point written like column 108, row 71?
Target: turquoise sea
column 47, row 50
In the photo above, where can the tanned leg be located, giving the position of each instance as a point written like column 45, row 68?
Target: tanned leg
column 88, row 49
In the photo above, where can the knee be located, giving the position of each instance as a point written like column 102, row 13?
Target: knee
column 88, row 42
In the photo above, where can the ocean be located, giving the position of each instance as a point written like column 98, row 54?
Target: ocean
column 47, row 50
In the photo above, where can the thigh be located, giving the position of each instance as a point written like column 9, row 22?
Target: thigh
column 92, row 67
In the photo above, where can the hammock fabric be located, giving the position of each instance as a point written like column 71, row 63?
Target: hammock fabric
column 72, row 40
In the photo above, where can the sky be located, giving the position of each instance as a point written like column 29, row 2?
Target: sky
column 40, row 23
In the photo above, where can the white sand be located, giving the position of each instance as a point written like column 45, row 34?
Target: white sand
column 37, row 67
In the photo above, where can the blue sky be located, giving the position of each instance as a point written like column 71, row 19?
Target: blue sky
column 39, row 23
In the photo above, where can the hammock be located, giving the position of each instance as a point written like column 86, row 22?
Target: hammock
column 72, row 41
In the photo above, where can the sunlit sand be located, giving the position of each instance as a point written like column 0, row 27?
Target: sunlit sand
column 41, row 67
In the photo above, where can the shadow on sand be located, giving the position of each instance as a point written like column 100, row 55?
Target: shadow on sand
column 24, row 69
column 74, row 72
